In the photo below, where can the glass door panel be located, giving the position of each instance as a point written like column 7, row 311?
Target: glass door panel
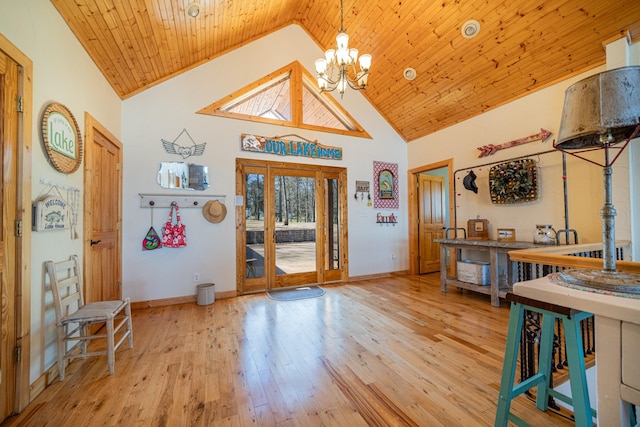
column 254, row 229
column 295, row 228
column 332, row 225
column 333, row 231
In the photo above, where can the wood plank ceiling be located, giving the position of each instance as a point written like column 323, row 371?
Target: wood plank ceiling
column 523, row 45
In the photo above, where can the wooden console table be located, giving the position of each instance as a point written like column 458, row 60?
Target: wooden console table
column 494, row 248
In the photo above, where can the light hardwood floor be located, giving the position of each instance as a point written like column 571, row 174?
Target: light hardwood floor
column 393, row 351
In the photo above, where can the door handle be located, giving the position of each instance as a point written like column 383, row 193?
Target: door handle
column 94, row 242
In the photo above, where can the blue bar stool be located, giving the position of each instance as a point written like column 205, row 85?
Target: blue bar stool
column 575, row 358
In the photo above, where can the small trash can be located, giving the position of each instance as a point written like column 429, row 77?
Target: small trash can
column 206, row 293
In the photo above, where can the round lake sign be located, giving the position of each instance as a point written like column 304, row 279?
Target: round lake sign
column 62, row 138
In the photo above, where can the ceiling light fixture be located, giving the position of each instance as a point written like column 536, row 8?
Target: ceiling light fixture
column 337, row 69
column 409, row 73
column 193, row 9
column 470, row 29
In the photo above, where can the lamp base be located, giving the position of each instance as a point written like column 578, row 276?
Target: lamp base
column 613, row 281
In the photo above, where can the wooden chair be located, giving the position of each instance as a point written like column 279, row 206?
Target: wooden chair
column 75, row 319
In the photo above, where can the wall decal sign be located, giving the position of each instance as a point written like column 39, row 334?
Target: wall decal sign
column 386, row 219
column 62, row 138
column 385, row 185
column 290, row 147
column 184, row 145
column 488, row 150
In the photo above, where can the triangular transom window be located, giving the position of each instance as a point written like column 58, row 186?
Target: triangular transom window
column 287, row 97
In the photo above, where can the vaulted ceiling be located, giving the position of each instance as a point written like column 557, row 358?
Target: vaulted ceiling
column 522, row 46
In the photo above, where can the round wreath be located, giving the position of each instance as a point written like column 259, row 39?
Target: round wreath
column 513, row 182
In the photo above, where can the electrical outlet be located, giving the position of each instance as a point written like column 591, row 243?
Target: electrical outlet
column 196, row 277
column 393, row 257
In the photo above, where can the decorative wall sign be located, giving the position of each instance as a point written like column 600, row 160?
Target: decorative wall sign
column 362, row 187
column 290, row 147
column 62, row 138
column 386, row 219
column 50, row 213
column 478, row 229
column 385, row 185
column 513, row 182
column 488, row 150
column 184, row 145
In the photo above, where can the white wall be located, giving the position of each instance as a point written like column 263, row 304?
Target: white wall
column 163, row 111
column 520, row 118
column 64, row 73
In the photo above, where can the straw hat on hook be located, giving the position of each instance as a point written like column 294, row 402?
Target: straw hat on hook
column 214, row 211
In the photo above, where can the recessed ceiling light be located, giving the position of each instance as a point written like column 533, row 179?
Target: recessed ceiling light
column 409, row 73
column 193, row 9
column 470, row 29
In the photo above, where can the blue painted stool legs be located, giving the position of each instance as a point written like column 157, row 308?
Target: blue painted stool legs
column 575, row 356
column 544, row 361
column 577, row 374
column 516, row 318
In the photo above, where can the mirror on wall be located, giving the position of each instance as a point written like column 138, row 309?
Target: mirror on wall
column 185, row 176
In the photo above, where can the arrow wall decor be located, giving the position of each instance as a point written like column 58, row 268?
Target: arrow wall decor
column 488, row 150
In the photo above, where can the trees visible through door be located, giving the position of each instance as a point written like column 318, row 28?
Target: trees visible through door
column 295, row 225
column 103, row 211
column 431, row 225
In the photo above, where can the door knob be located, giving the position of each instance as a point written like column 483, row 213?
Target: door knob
column 94, row 242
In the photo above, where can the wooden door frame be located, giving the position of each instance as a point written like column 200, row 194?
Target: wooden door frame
column 412, row 185
column 240, row 214
column 91, row 126
column 23, row 215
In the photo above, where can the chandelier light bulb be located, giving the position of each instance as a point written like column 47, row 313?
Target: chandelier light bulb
column 330, row 55
column 321, row 66
column 342, row 40
column 353, row 55
column 365, row 62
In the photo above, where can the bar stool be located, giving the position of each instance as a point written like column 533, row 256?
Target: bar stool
column 575, row 357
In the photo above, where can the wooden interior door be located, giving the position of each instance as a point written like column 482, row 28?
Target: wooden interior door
column 102, row 214
column 8, row 203
column 431, row 217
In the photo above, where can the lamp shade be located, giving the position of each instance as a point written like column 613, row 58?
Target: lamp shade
column 603, row 108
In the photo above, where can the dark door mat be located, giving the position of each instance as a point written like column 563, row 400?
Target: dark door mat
column 297, row 293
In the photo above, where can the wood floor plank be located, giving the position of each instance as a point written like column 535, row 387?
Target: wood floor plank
column 392, row 351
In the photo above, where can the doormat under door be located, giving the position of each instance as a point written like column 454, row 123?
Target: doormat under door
column 297, row 293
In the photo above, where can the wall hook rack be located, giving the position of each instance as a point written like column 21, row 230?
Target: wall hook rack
column 183, row 201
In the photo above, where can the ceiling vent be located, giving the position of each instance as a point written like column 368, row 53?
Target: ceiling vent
column 470, row 29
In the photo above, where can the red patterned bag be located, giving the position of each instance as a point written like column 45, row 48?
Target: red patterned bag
column 173, row 235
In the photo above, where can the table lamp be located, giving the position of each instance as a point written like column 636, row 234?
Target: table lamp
column 602, row 112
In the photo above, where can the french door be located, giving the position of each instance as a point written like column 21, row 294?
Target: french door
column 292, row 225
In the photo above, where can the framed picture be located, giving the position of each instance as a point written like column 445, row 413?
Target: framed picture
column 506, row 235
column 385, row 185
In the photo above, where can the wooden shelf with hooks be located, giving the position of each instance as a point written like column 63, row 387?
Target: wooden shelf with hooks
column 182, row 200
